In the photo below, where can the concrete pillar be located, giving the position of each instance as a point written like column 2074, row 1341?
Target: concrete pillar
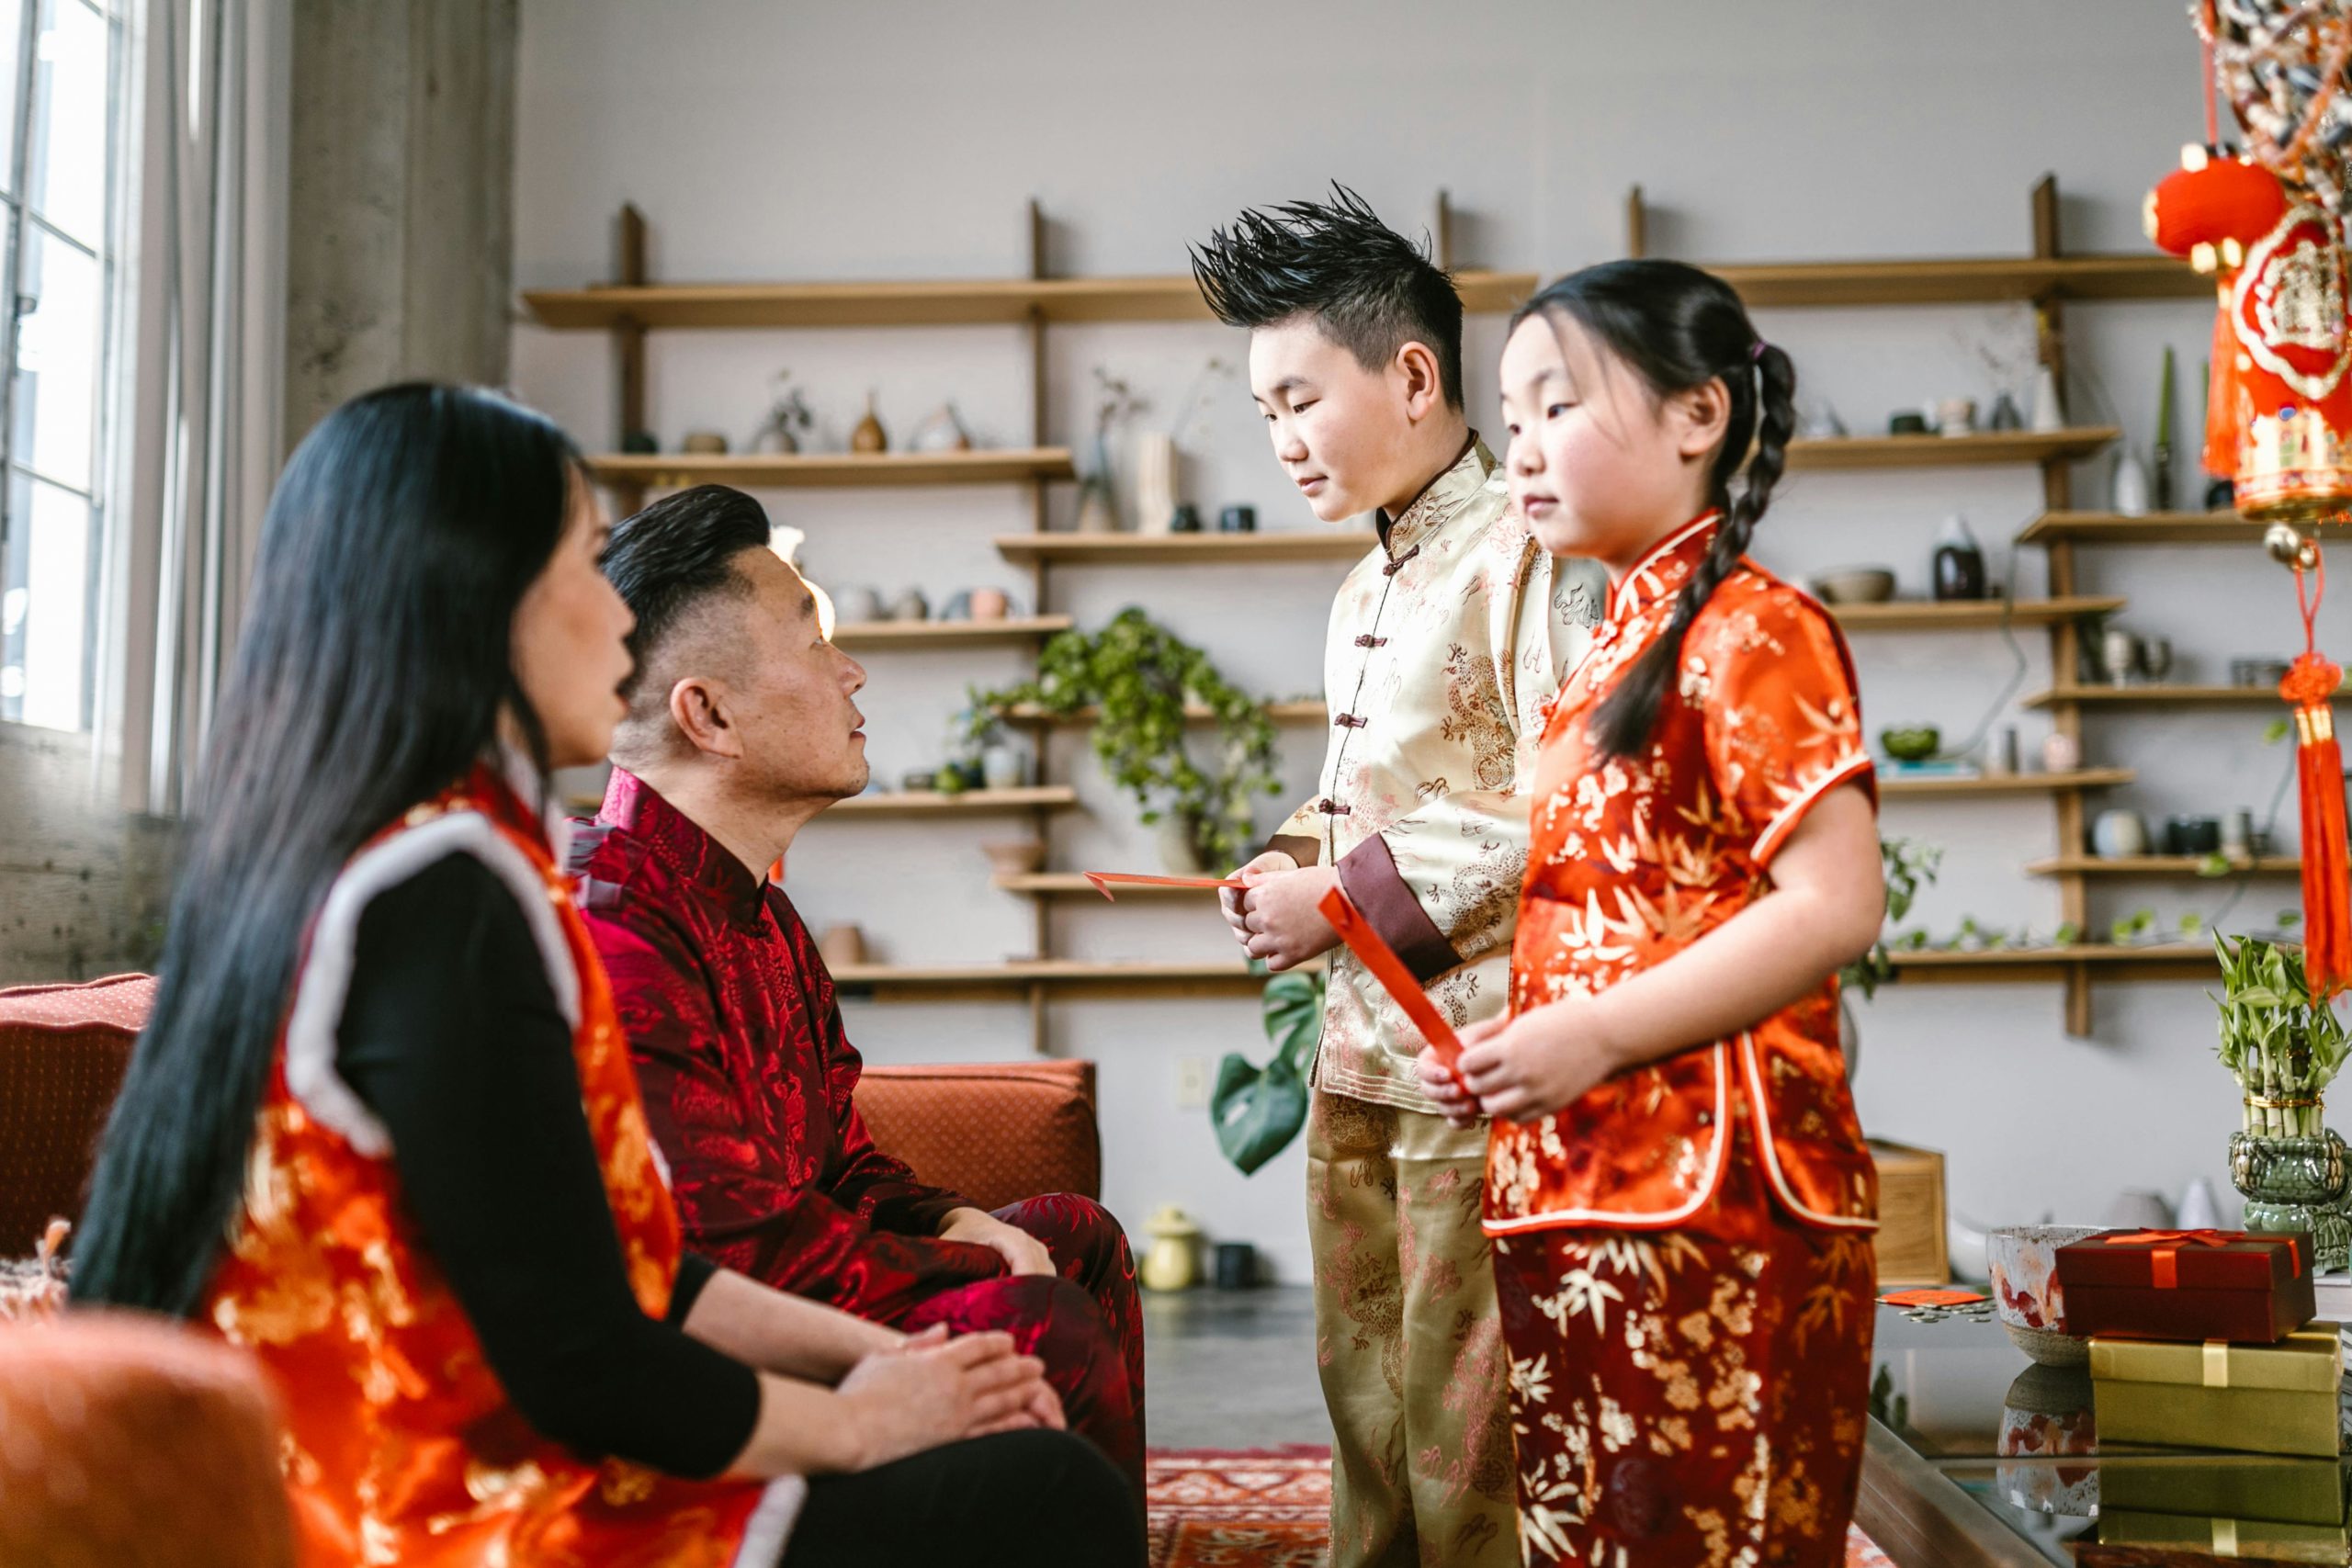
column 399, row 233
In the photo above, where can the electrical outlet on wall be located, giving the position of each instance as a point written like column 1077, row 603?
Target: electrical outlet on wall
column 1192, row 1083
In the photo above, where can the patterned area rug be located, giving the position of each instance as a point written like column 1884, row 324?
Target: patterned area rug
column 1271, row 1508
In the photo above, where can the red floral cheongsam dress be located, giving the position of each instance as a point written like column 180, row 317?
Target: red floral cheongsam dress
column 1683, row 1254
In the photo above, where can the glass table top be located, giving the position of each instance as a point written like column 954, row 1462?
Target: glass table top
column 2022, row 1441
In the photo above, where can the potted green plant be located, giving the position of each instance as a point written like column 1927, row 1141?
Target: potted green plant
column 2284, row 1048
column 1139, row 678
column 1257, row 1112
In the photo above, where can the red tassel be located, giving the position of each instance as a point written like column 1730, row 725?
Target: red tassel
column 2311, row 680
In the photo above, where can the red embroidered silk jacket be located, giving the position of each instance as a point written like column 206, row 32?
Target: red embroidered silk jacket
column 1631, row 861
column 747, row 1071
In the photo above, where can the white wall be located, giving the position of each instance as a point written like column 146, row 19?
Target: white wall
column 901, row 140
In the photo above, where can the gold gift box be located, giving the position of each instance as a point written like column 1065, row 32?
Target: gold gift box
column 2276, row 1399
column 2225, row 1538
column 2235, row 1487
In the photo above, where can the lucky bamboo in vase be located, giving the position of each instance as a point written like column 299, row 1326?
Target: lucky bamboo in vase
column 2282, row 1047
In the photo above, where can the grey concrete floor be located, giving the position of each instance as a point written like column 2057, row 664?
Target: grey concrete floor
column 1232, row 1368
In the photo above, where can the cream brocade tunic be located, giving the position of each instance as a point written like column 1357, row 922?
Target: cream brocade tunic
column 1447, row 644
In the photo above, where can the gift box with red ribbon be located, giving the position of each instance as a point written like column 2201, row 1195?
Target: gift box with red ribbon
column 2247, row 1287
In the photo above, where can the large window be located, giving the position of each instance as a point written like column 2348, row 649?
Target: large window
column 62, row 82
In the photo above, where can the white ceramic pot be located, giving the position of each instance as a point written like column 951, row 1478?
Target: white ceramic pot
column 2119, row 835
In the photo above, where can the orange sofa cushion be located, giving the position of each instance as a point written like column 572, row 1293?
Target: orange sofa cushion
column 995, row 1132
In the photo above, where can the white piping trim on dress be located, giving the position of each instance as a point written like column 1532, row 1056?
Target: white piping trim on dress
column 1767, row 842
column 1664, row 547
column 316, row 1019
column 1771, row 1157
column 1618, row 1219
column 771, row 1523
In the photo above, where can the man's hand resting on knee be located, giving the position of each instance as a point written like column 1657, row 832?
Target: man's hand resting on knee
column 1023, row 1253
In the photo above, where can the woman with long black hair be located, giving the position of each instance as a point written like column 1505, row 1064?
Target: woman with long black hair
column 383, row 1128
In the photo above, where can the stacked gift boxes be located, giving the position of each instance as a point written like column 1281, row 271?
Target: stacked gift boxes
column 2206, row 1339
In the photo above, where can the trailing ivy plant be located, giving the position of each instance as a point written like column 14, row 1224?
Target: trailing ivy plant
column 1138, row 677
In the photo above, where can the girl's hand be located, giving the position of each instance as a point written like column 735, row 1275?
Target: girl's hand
column 1525, row 1067
column 1458, row 1108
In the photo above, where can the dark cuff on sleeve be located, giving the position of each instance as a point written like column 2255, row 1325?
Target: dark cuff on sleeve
column 1299, row 846
column 1369, row 876
column 694, row 1272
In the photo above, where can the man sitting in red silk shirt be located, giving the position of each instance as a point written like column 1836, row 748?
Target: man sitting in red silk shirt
column 742, row 728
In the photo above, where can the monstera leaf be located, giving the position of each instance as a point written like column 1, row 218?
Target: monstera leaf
column 1257, row 1112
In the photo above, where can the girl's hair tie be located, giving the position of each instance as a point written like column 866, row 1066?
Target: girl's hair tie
column 1756, row 350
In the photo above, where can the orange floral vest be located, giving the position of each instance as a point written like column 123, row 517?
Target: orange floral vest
column 1630, row 861
column 401, row 1446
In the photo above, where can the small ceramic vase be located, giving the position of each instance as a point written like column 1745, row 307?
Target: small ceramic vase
column 2004, row 415
column 2118, row 653
column 1187, row 519
column 2001, row 757
column 1098, row 513
column 1238, row 520
column 2129, row 496
column 1958, row 567
column 842, row 946
column 1001, row 767
column 869, row 436
column 1015, row 859
column 991, row 603
column 2061, row 754
column 2049, row 414
column 854, row 606
column 1173, row 1262
column 2119, row 835
column 1155, row 480
column 2237, row 835
column 910, row 606
column 1956, row 416
column 2155, row 657
column 704, row 444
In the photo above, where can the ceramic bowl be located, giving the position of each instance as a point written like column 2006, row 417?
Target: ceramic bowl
column 1911, row 742
column 2023, row 1262
column 1015, row 859
column 1855, row 585
column 2046, row 1419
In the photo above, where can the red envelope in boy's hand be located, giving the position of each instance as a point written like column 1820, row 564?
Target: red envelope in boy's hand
column 1396, row 979
column 1102, row 879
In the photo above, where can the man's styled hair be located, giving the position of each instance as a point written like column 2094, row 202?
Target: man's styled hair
column 678, row 553
column 1370, row 289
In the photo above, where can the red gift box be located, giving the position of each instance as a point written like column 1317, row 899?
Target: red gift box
column 2249, row 1288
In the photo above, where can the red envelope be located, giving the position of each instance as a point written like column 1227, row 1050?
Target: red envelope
column 1381, row 960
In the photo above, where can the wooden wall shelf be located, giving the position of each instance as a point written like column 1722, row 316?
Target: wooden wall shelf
column 1186, row 549
column 2157, row 697
column 1890, row 787
column 865, row 636
column 1308, row 711
column 2172, row 961
column 2150, row 528
column 1936, row 615
column 1948, row 451
column 1175, row 297
column 970, row 803
column 1062, row 976
column 834, row 470
column 2164, row 866
column 1073, row 885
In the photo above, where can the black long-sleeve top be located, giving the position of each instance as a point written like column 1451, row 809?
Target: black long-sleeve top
column 452, row 1035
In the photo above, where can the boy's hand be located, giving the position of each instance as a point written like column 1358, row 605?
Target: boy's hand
column 1459, row 1108
column 1279, row 913
column 1270, row 864
column 1524, row 1067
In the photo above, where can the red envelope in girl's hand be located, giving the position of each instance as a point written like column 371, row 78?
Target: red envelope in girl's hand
column 1388, row 969
column 1101, row 880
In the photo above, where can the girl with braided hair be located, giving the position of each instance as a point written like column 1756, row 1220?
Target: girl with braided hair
column 1676, row 1184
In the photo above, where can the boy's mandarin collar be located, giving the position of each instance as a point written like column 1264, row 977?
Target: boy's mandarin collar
column 1666, row 568
column 1440, row 499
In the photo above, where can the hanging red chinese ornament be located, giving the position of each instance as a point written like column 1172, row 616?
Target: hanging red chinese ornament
column 2269, row 225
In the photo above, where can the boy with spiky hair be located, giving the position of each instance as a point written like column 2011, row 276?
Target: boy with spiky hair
column 1446, row 641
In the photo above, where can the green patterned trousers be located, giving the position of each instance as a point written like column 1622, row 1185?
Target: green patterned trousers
column 1408, row 1340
